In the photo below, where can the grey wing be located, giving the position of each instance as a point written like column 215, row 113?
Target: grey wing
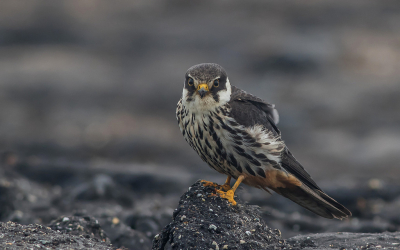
column 269, row 109
column 249, row 110
column 290, row 164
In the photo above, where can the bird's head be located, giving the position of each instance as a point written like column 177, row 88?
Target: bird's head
column 206, row 87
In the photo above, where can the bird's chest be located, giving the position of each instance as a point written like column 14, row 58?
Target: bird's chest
column 226, row 146
column 204, row 134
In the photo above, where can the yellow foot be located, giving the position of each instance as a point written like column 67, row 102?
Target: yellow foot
column 229, row 192
column 209, row 184
column 227, row 195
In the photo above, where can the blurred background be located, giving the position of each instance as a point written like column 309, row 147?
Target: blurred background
column 95, row 84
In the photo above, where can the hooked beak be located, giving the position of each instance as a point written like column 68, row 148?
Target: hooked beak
column 202, row 89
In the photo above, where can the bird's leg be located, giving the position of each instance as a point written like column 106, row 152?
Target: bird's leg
column 227, row 184
column 231, row 193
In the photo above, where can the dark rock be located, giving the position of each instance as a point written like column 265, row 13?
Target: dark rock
column 16, row 237
column 106, row 226
column 132, row 211
column 54, row 173
column 146, row 224
column 203, row 220
column 329, row 241
column 109, row 229
column 122, row 235
column 7, row 199
column 24, row 201
column 86, row 226
column 100, row 187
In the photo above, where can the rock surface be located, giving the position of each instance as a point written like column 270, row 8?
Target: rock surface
column 85, row 226
column 133, row 204
column 89, row 213
column 205, row 221
column 14, row 236
column 343, row 241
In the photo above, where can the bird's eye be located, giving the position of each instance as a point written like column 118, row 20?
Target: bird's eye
column 190, row 82
column 216, row 83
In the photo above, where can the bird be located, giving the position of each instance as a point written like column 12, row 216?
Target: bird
column 236, row 134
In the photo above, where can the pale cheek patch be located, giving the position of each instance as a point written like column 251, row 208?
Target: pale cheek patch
column 225, row 95
column 184, row 95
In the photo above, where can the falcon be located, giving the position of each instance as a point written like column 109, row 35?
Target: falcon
column 235, row 133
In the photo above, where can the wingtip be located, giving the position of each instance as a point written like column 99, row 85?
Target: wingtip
column 338, row 210
column 317, row 202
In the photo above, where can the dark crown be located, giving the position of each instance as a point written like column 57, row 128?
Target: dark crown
column 206, row 72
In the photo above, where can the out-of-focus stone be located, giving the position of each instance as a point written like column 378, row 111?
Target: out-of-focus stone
column 24, row 237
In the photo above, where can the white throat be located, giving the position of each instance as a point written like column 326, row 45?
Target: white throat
column 206, row 104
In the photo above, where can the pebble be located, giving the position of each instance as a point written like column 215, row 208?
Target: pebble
column 115, row 220
column 216, row 245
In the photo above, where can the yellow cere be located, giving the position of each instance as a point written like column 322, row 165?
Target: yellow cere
column 203, row 85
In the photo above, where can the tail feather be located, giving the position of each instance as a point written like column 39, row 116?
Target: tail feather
column 316, row 201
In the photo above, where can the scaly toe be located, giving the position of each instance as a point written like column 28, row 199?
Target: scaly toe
column 227, row 195
column 209, row 184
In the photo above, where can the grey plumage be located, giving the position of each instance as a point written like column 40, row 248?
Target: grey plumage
column 236, row 134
